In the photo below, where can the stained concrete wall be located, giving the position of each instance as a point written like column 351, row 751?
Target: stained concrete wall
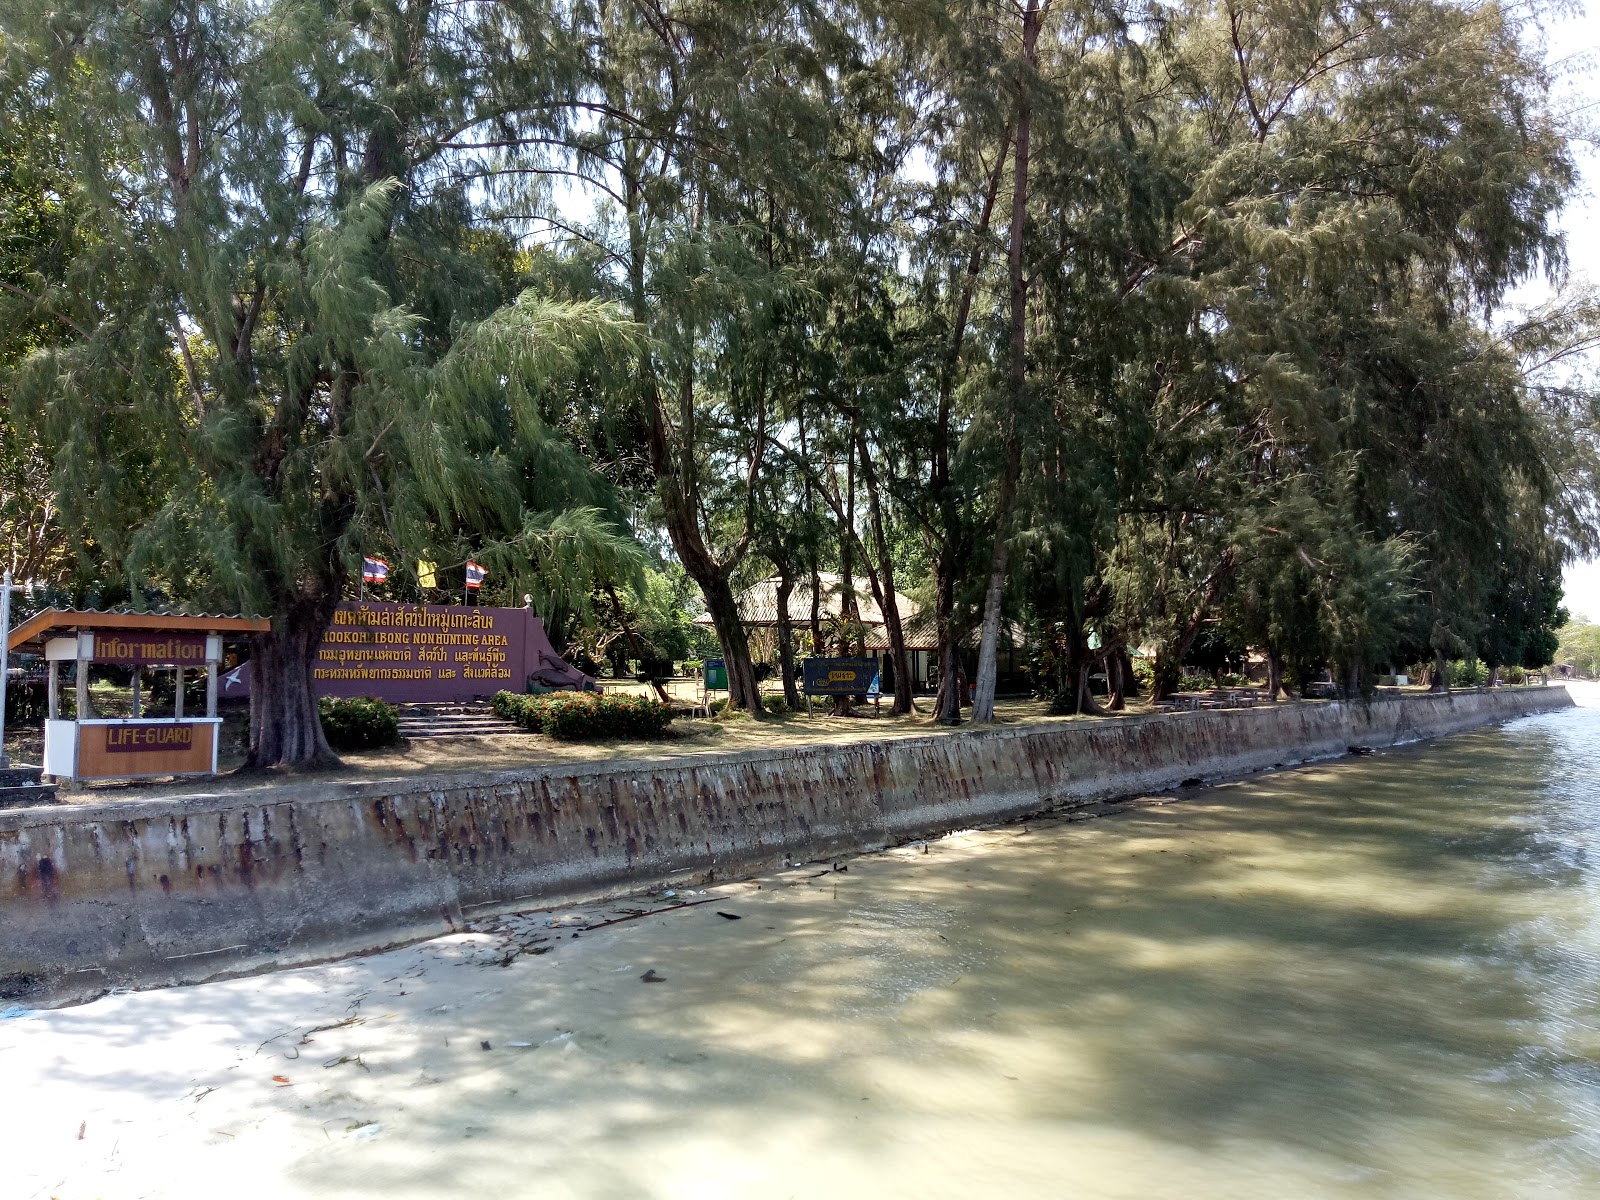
column 143, row 893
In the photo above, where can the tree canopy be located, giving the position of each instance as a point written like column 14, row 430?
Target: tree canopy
column 1116, row 326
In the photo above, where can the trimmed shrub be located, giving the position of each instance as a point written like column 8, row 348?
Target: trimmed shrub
column 508, row 706
column 776, row 705
column 1196, row 683
column 359, row 722
column 1062, row 704
column 585, row 716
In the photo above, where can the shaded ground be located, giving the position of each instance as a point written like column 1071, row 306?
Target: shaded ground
column 687, row 736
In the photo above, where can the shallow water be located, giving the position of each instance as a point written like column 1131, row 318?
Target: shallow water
column 1376, row 978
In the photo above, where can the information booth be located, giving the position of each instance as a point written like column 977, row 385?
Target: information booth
column 93, row 747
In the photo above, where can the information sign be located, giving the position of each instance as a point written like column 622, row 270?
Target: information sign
column 429, row 653
column 716, row 674
column 151, row 649
column 839, row 676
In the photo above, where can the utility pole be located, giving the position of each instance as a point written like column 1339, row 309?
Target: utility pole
column 5, row 660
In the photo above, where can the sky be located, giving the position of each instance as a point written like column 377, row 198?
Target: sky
column 1574, row 57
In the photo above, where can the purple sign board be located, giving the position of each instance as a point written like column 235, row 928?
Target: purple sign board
column 430, row 653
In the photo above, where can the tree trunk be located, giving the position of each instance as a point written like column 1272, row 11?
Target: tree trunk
column 848, row 608
column 1116, row 693
column 677, row 486
column 791, row 693
column 285, row 725
column 1169, row 661
column 947, row 700
column 1441, row 674
column 1168, row 671
column 883, row 584
column 951, row 547
column 636, row 643
column 723, row 609
column 989, row 643
column 1274, row 675
column 1081, row 660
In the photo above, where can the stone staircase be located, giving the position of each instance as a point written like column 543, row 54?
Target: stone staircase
column 20, row 788
column 425, row 721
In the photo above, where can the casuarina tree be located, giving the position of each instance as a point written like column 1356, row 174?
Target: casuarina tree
column 280, row 284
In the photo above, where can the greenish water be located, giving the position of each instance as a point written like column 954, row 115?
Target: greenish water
column 1376, row 978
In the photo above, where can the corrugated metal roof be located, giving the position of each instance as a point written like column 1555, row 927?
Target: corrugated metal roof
column 758, row 605
column 758, row 608
column 57, row 620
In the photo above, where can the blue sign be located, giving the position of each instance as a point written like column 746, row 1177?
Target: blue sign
column 840, row 676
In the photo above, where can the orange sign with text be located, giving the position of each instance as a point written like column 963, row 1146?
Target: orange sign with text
column 126, row 748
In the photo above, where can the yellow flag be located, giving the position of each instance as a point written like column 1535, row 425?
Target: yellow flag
column 425, row 574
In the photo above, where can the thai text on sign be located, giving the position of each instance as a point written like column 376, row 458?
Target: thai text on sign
column 159, row 649
column 427, row 653
column 839, row 676
column 422, row 652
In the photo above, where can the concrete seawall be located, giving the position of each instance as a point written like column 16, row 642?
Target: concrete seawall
column 151, row 892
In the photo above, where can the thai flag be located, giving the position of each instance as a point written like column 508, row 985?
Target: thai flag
column 374, row 570
column 475, row 574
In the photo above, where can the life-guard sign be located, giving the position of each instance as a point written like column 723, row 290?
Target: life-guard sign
column 128, row 749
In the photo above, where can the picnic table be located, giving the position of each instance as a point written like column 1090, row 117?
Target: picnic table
column 1217, row 698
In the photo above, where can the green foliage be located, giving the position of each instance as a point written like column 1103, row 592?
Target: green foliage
column 1062, row 704
column 1196, row 683
column 586, row 716
column 285, row 300
column 1580, row 646
column 301, row 289
column 359, row 722
column 1467, row 673
column 776, row 705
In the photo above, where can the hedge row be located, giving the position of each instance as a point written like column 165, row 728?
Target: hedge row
column 582, row 716
column 359, row 723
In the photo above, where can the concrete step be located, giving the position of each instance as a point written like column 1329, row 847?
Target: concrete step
column 424, row 735
column 465, row 721
column 19, row 775
column 27, row 795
